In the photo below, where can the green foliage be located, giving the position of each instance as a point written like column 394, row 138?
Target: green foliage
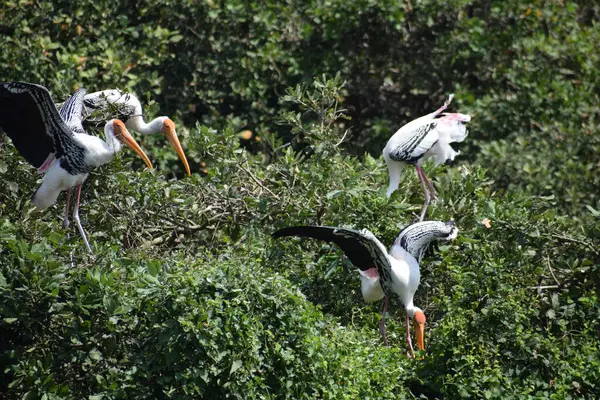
column 189, row 297
column 528, row 72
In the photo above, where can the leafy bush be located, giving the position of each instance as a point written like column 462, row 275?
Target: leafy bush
column 528, row 72
column 189, row 297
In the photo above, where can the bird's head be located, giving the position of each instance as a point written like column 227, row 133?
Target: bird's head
column 453, row 231
column 419, row 327
column 168, row 130
column 120, row 132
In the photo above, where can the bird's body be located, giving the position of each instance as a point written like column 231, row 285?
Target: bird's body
column 426, row 137
column 56, row 143
column 384, row 273
column 405, row 278
column 370, row 287
column 129, row 110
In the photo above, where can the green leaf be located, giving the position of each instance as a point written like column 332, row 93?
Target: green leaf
column 237, row 364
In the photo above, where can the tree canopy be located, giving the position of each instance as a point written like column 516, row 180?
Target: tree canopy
column 188, row 296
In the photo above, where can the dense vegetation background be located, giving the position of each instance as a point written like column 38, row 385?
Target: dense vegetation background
column 188, row 296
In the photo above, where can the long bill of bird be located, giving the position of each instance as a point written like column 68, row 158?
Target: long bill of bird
column 169, row 132
column 124, row 136
column 419, row 327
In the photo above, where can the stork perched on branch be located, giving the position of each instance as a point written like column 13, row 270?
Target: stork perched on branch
column 381, row 273
column 56, row 143
column 423, row 138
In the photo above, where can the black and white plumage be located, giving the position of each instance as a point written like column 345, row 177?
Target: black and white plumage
column 423, row 138
column 384, row 273
column 129, row 110
column 55, row 143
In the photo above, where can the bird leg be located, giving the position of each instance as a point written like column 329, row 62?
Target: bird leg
column 428, row 182
column 66, row 217
column 425, row 191
column 78, row 221
column 386, row 304
column 410, row 346
column 66, row 223
column 431, row 188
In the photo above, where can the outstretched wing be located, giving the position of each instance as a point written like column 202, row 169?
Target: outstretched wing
column 361, row 247
column 29, row 118
column 415, row 238
column 72, row 111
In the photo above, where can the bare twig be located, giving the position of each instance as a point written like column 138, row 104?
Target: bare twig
column 574, row 240
column 544, row 287
column 551, row 270
column 259, row 183
column 193, row 31
column 560, row 237
column 342, row 140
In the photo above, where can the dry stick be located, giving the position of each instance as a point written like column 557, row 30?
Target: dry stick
column 551, row 271
column 259, row 183
column 584, row 243
column 181, row 230
column 544, row 287
column 561, row 237
column 343, row 138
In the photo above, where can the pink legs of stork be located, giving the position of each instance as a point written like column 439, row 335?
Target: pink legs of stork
column 386, row 304
column 76, row 217
column 408, row 339
column 428, row 189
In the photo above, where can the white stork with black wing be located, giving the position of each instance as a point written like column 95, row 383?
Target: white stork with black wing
column 56, row 143
column 423, row 138
column 129, row 110
column 381, row 273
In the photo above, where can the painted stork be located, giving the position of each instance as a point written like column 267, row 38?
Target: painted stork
column 130, row 111
column 56, row 144
column 381, row 273
column 423, row 138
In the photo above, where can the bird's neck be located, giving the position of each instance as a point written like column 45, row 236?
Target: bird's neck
column 137, row 123
column 411, row 309
column 111, row 147
column 405, row 276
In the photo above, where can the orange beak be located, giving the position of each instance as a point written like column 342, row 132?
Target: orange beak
column 124, row 136
column 419, row 327
column 420, row 334
column 169, row 131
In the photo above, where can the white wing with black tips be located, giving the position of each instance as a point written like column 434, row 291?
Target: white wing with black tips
column 363, row 249
column 411, row 142
column 72, row 111
column 29, row 118
column 415, row 238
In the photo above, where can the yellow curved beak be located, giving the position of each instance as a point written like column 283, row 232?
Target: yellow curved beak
column 420, row 334
column 169, row 132
column 123, row 134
